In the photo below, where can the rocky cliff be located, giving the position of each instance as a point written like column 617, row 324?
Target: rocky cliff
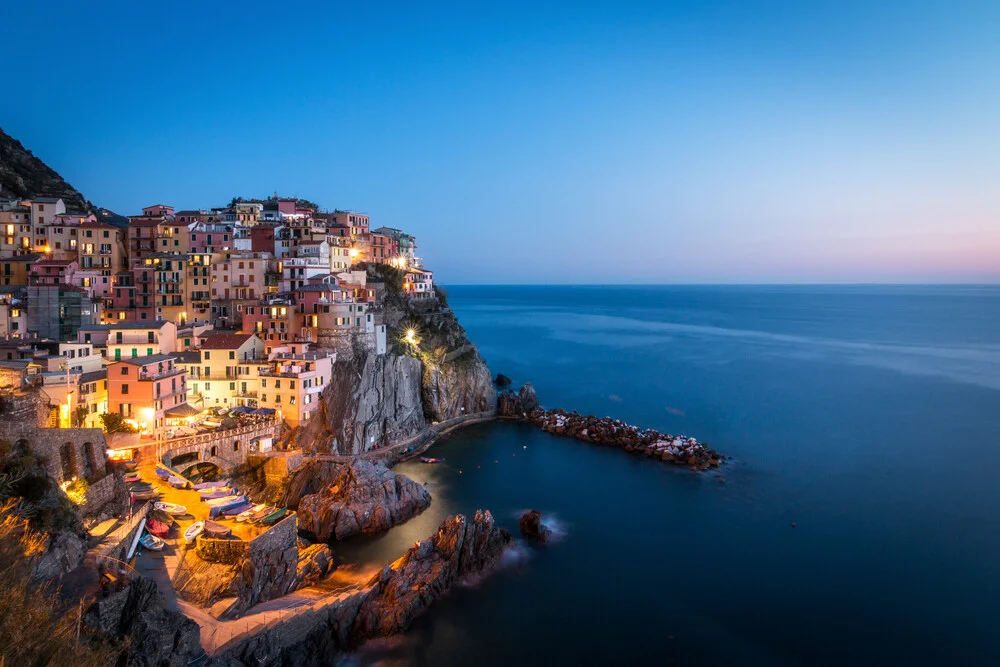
column 363, row 499
column 389, row 603
column 376, row 401
column 137, row 616
column 459, row 386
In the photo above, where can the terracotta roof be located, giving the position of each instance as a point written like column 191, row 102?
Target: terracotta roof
column 225, row 341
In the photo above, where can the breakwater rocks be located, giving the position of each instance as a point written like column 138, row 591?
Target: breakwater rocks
column 364, row 498
column 677, row 449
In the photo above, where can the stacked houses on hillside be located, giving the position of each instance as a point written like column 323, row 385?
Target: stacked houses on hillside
column 191, row 312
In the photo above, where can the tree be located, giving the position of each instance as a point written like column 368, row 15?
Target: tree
column 115, row 423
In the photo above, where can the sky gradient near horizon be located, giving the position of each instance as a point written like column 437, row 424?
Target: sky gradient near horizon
column 709, row 141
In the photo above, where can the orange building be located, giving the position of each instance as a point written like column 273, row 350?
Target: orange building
column 143, row 388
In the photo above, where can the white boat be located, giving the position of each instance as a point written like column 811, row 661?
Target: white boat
column 225, row 500
column 193, row 531
column 151, row 542
column 245, row 516
column 171, row 508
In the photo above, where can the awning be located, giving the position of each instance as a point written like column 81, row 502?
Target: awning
column 182, row 410
column 263, row 411
column 241, row 409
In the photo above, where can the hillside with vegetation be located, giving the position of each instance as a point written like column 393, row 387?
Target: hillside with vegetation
column 24, row 175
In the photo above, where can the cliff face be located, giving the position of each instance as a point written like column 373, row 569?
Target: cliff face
column 459, row 386
column 374, row 402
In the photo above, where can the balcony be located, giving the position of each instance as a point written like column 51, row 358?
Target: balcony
column 172, row 392
column 148, row 375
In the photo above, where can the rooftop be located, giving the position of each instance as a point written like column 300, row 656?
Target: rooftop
column 134, row 326
column 225, row 341
column 149, row 359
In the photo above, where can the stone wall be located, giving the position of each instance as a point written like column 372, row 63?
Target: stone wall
column 279, row 466
column 65, row 452
column 107, row 495
column 228, row 552
column 24, row 409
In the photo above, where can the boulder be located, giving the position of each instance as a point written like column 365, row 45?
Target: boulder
column 314, row 564
column 502, row 380
column 508, row 405
column 528, row 398
column 365, row 498
column 531, row 526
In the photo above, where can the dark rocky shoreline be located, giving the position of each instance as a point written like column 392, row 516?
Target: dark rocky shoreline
column 676, row 449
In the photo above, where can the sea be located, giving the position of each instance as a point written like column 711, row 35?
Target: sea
column 857, row 522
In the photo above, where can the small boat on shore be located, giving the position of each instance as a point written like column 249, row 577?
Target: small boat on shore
column 171, row 508
column 218, row 510
column 151, row 542
column 430, row 459
column 177, row 482
column 163, row 473
column 274, row 517
column 132, row 478
column 246, row 514
column 234, row 512
column 157, row 528
column 193, row 531
column 146, row 493
column 261, row 513
column 224, row 500
column 161, row 516
column 217, row 530
column 218, row 484
column 216, row 494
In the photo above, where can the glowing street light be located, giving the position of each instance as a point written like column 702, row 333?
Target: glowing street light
column 411, row 336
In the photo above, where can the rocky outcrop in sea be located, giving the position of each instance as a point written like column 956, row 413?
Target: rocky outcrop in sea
column 364, row 498
column 677, row 449
column 390, row 602
column 401, row 591
column 517, row 405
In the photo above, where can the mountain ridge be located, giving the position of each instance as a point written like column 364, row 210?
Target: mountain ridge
column 25, row 175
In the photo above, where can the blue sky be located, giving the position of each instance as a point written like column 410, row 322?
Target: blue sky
column 576, row 143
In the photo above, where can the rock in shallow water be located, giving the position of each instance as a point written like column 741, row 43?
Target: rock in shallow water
column 531, row 526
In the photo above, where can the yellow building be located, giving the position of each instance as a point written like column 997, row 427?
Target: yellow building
column 93, row 397
column 225, row 371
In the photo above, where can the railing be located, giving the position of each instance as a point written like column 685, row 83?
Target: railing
column 147, row 375
column 164, row 446
column 115, row 538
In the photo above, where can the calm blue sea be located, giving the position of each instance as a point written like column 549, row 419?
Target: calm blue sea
column 869, row 416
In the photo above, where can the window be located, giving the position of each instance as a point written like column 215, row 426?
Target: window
column 208, row 355
column 124, row 388
column 150, row 337
column 232, row 355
